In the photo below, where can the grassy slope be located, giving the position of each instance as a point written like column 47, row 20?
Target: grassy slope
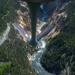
column 63, row 52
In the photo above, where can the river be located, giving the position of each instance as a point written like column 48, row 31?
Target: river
column 37, row 56
column 36, row 59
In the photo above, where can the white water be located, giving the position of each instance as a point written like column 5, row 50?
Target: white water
column 45, row 15
column 36, row 59
column 37, row 56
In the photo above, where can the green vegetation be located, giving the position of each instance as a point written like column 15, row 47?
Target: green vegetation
column 61, row 49
column 4, row 66
column 2, row 26
column 7, row 13
column 14, row 50
column 74, row 13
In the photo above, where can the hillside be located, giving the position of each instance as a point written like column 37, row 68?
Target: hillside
column 7, row 13
column 60, row 55
column 14, row 51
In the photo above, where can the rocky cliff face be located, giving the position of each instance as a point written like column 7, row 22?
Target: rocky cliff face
column 55, row 14
column 50, row 8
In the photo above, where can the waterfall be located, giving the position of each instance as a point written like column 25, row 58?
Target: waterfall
column 44, row 13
